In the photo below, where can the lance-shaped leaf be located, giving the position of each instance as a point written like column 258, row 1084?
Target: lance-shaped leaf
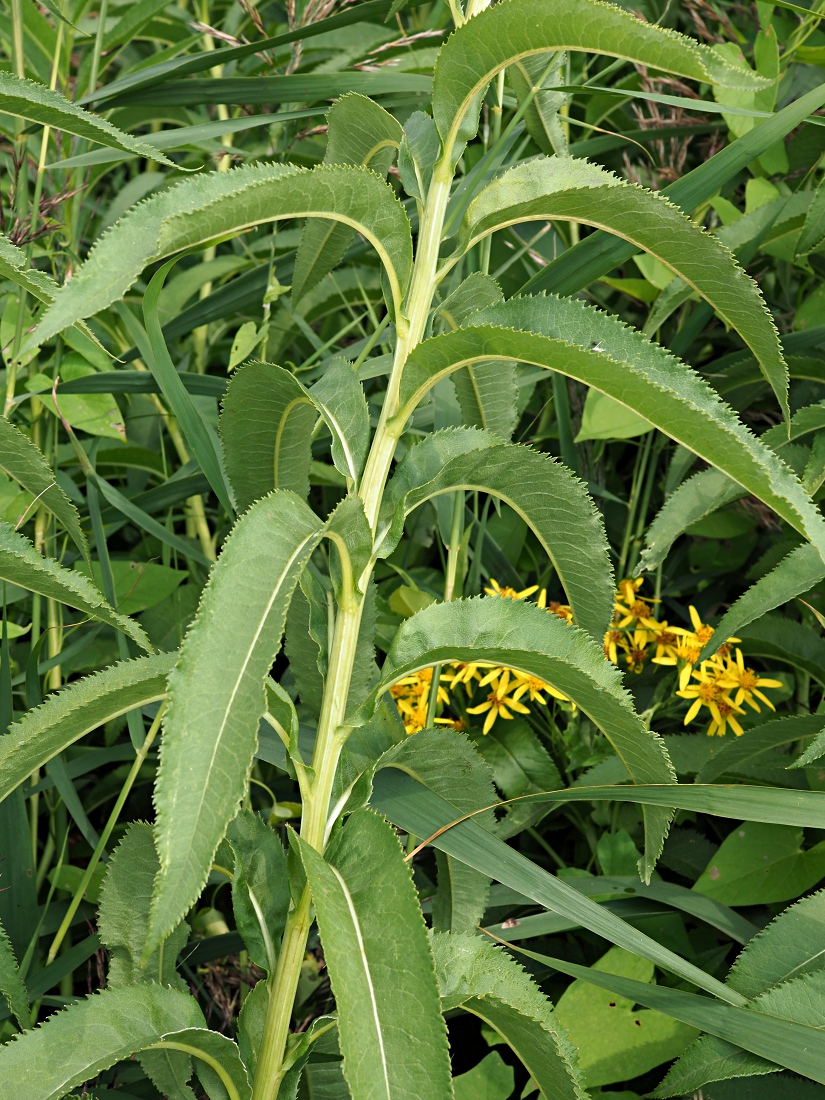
column 260, row 892
column 694, row 499
column 76, row 710
column 522, row 637
column 339, row 397
column 217, row 696
column 420, row 811
column 222, row 204
column 217, row 1061
column 391, row 1031
column 813, row 231
column 74, row 1045
column 558, row 333
column 507, row 32
column 735, row 756
column 266, row 428
column 11, row 984
column 544, row 493
column 361, row 134
column 37, row 103
column 575, row 190
column 21, row 564
column 480, row 978
column 796, row 574
column 23, row 461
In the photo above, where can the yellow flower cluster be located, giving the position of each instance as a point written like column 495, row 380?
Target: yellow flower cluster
column 721, row 684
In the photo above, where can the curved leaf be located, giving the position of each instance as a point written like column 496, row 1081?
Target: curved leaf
column 506, row 32
column 766, row 737
column 340, row 399
column 543, row 492
column 224, row 203
column 217, row 1061
column 76, row 710
column 523, row 637
column 21, row 564
column 640, row 375
column 484, row 980
column 76, row 1044
column 391, row 1031
column 217, row 696
column 37, row 103
column 778, row 638
column 575, row 190
column 11, row 984
column 796, row 574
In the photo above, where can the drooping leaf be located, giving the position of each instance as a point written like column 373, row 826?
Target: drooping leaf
column 523, row 637
column 734, row 755
column 521, row 765
column 223, row 203
column 217, row 695
column 481, row 979
column 21, row 564
column 260, row 890
column 339, row 396
column 417, row 154
column 76, row 710
column 640, row 375
column 361, row 134
column 543, row 492
column 571, row 189
column 266, row 428
column 76, row 1044
column 37, row 103
column 545, row 72
column 216, row 1061
column 391, row 1032
column 21, row 460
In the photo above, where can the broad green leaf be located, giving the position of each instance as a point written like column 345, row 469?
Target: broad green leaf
column 482, row 979
column 506, row 33
column 15, row 265
column 216, row 1060
column 35, row 102
column 795, row 575
column 417, row 154
column 524, row 638
column 11, row 984
column 491, row 1079
column 735, row 754
column 604, row 418
column 217, row 695
column 123, row 915
column 391, row 1032
column 815, row 751
column 220, row 204
column 547, row 72
column 138, row 585
column 599, row 253
column 260, row 891
column 21, row 564
column 79, row 1042
column 23, row 461
column 94, row 413
column 76, row 710
column 616, row 1043
column 640, row 375
column 759, row 863
column 699, row 496
column 307, row 641
column 339, row 397
column 266, row 428
column 521, row 765
column 776, row 638
column 551, row 500
column 361, row 134
column 790, row 1044
column 570, row 189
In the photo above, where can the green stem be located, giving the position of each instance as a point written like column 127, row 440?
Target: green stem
column 17, row 50
column 98, row 47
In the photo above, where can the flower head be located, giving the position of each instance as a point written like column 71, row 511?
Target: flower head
column 499, row 701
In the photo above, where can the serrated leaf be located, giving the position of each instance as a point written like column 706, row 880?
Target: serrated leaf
column 360, row 134
column 37, row 103
column 523, row 637
column 209, row 1050
column 11, row 983
column 777, row 638
column 217, row 695
column 417, row 154
column 542, row 491
column 813, row 231
column 640, row 375
column 307, row 641
column 546, row 72
column 266, row 428
column 340, row 398
column 23, row 461
column 74, row 1045
column 796, row 574
column 769, row 736
column 221, row 204
column 260, row 889
column 21, row 564
column 482, row 979
column 76, row 710
column 521, row 765
column 503, row 34
column 391, row 1032
column 576, row 190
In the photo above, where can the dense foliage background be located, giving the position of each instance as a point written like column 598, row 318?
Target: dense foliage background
column 155, row 526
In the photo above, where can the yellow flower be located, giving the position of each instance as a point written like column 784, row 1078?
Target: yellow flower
column 636, row 650
column 562, row 610
column 509, row 593
column 727, row 717
column 631, row 609
column 532, row 687
column 703, row 632
column 454, row 723
column 747, row 683
column 665, row 639
column 498, row 703
column 612, row 640
column 709, row 691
